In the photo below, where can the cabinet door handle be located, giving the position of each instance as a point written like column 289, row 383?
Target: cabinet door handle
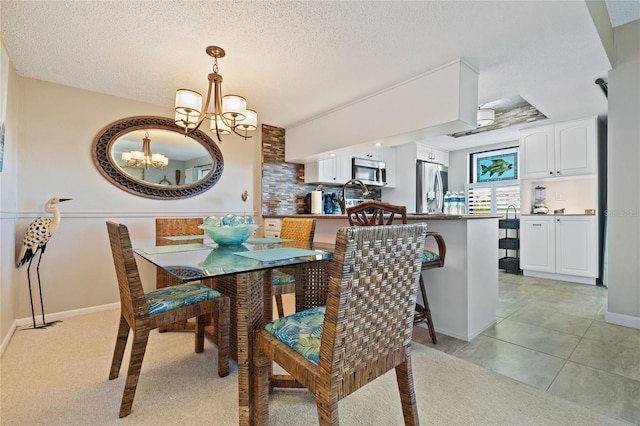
column 558, row 220
column 550, row 173
column 537, row 224
column 558, row 172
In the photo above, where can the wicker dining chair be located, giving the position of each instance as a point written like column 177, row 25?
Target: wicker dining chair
column 363, row 331
column 372, row 212
column 143, row 312
column 302, row 231
column 173, row 227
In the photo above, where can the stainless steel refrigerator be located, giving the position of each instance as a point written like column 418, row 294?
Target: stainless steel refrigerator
column 432, row 183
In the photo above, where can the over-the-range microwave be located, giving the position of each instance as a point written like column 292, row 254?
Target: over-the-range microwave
column 370, row 172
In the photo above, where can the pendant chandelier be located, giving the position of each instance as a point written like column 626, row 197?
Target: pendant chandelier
column 145, row 157
column 486, row 117
column 229, row 114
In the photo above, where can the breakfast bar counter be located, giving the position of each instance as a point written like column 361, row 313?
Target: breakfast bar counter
column 463, row 295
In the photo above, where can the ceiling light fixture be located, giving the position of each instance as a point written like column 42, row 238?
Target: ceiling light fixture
column 486, row 117
column 230, row 113
column 145, row 157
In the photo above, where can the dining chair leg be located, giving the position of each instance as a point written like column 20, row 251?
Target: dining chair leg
column 279, row 305
column 222, row 320
column 139, row 346
column 404, row 378
column 427, row 312
column 200, row 323
column 327, row 409
column 261, row 373
column 118, row 353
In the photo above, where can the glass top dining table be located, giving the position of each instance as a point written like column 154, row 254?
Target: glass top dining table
column 243, row 273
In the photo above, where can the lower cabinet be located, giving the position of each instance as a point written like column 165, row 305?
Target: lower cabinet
column 566, row 246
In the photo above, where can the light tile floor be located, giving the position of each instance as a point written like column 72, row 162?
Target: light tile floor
column 552, row 335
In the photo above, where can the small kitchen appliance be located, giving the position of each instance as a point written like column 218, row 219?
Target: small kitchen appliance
column 539, row 200
column 370, row 172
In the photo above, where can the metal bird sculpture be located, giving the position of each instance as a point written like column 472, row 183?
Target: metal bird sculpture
column 36, row 238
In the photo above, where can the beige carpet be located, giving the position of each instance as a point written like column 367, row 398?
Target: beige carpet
column 58, row 376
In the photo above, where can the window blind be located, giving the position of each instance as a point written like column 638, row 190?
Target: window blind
column 493, row 197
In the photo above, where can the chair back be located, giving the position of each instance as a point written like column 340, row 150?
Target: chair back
column 302, row 230
column 372, row 294
column 133, row 303
column 372, row 212
column 172, row 227
column 176, row 226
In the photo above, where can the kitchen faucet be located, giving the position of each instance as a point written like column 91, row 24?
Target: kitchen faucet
column 365, row 191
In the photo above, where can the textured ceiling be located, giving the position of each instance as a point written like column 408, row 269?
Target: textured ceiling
column 294, row 60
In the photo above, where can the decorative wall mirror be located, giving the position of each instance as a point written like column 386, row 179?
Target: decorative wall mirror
column 151, row 157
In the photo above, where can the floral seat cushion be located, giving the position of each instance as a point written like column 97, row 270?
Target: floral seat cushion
column 280, row 277
column 301, row 331
column 429, row 256
column 165, row 299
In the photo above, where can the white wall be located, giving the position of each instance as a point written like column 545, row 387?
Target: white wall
column 8, row 199
column 57, row 125
column 623, row 202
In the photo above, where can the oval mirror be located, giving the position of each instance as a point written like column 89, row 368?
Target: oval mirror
column 151, row 157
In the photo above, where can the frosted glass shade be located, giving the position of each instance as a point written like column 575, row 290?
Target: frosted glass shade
column 234, row 107
column 486, row 117
column 159, row 159
column 250, row 122
column 188, row 102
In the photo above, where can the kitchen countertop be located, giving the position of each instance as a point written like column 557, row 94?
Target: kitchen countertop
column 410, row 216
column 556, row 214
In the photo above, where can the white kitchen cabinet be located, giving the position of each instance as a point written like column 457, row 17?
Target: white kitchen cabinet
column 565, row 149
column 560, row 247
column 376, row 154
column 343, row 169
column 576, row 246
column 331, row 171
column 576, row 147
column 538, row 243
column 433, row 155
column 389, row 158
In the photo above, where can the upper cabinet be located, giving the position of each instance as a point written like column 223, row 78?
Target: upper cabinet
column 389, row 158
column 336, row 170
column 433, row 155
column 332, row 171
column 565, row 149
column 376, row 154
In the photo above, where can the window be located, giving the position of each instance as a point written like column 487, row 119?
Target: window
column 494, row 184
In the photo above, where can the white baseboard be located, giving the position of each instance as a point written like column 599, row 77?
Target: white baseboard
column 560, row 277
column 623, row 320
column 52, row 317
column 7, row 338
column 67, row 314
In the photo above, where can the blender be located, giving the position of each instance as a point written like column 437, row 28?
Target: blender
column 539, row 198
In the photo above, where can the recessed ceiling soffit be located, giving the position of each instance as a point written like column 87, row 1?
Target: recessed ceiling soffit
column 509, row 111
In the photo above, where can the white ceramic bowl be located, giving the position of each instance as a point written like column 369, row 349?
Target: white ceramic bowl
column 229, row 235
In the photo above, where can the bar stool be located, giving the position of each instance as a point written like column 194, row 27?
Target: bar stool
column 430, row 260
column 372, row 213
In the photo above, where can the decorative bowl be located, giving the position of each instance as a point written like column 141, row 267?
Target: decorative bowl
column 229, row 235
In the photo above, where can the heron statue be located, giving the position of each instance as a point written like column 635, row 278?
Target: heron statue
column 36, row 238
